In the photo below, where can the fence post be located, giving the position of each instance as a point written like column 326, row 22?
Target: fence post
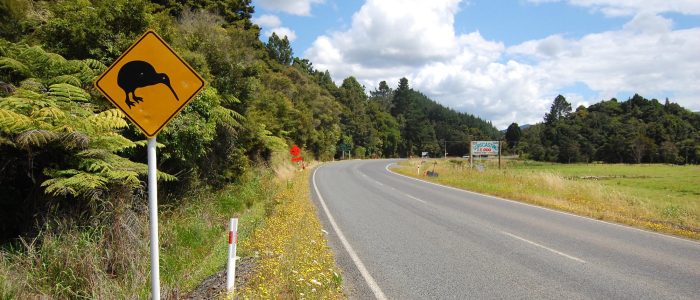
column 231, row 265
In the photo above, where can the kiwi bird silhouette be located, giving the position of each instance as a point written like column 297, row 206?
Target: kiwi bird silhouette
column 137, row 74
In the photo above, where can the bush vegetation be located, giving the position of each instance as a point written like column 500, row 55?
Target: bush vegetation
column 637, row 130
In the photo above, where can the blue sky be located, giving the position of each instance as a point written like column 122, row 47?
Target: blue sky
column 501, row 60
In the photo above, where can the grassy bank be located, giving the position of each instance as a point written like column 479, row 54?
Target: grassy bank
column 664, row 198
column 111, row 260
column 294, row 260
column 277, row 225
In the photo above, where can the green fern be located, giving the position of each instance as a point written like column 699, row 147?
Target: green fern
column 68, row 79
column 76, row 185
column 13, row 68
column 49, row 108
column 36, row 138
column 95, row 65
column 226, row 116
column 66, row 92
column 11, row 121
column 110, row 119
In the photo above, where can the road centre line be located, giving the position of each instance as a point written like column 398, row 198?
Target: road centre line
column 400, row 192
column 355, row 259
column 503, row 232
column 414, row 198
column 365, row 176
column 543, row 247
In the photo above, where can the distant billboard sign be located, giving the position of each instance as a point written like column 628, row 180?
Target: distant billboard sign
column 484, row 148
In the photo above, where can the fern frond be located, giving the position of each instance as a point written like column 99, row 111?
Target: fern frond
column 165, row 177
column 14, row 67
column 7, row 141
column 33, row 84
column 272, row 142
column 94, row 165
column 226, row 116
column 142, row 143
column 48, row 114
column 36, row 59
column 79, row 184
column 75, row 140
column 94, row 153
column 12, row 122
column 60, row 173
column 124, row 177
column 36, row 138
column 4, row 47
column 69, row 79
column 110, row 119
column 66, row 92
column 95, row 65
column 230, row 100
column 56, row 65
column 112, row 142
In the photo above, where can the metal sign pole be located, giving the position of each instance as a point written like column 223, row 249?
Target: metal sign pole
column 153, row 212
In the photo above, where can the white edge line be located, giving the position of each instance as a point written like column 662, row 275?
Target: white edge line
column 417, row 199
column 540, row 207
column 544, row 247
column 355, row 259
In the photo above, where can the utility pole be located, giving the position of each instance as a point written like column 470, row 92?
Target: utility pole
column 499, row 153
column 445, row 145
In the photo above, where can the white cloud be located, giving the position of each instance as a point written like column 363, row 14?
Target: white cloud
column 646, row 56
column 390, row 39
column 282, row 32
column 274, row 24
column 633, row 7
column 267, row 21
column 294, row 7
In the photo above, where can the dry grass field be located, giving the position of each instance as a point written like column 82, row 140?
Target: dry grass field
column 664, row 198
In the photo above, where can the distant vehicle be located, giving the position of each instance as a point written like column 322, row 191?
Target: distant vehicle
column 465, row 156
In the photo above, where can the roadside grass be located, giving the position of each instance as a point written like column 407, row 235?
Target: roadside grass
column 195, row 236
column 664, row 198
column 277, row 225
column 294, row 260
column 69, row 262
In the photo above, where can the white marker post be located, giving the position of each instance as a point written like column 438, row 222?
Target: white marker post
column 231, row 265
column 153, row 212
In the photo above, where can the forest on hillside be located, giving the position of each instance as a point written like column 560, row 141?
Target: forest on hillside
column 66, row 152
column 637, row 130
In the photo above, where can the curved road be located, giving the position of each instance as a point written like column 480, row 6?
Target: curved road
column 400, row 238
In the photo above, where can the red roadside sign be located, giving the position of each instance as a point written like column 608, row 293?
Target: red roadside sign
column 295, row 151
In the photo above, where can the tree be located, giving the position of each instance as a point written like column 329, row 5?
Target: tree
column 383, row 95
column 513, row 135
column 97, row 30
column 279, row 49
column 355, row 120
column 559, row 109
column 401, row 99
column 231, row 10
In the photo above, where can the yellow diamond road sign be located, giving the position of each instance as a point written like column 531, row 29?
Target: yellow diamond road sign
column 150, row 83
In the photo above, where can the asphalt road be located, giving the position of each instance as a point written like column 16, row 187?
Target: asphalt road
column 399, row 238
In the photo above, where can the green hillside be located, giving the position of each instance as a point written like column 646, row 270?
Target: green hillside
column 637, row 130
